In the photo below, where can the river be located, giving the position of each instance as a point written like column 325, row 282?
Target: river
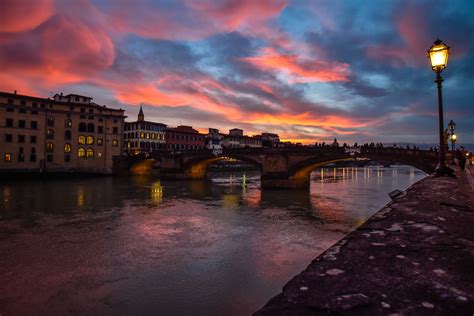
column 118, row 245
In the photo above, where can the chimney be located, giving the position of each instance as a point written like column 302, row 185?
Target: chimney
column 61, row 94
column 14, row 92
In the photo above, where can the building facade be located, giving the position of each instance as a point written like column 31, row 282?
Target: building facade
column 214, row 139
column 184, row 138
column 144, row 136
column 237, row 139
column 68, row 133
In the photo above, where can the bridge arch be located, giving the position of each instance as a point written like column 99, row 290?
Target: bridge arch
column 300, row 172
column 196, row 168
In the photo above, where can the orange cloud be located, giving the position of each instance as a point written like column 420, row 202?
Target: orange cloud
column 299, row 69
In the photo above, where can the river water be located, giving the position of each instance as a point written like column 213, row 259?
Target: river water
column 140, row 246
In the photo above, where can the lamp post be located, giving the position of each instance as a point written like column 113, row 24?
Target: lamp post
column 453, row 142
column 438, row 55
column 452, row 128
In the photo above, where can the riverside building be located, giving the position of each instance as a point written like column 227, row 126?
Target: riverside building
column 144, row 136
column 68, row 133
column 184, row 138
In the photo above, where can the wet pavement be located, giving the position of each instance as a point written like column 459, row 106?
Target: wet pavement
column 414, row 257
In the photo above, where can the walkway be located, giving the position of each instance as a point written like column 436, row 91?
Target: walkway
column 415, row 257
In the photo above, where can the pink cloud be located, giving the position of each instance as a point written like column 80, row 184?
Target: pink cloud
column 20, row 16
column 300, row 69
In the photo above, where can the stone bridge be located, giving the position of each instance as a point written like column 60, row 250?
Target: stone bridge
column 281, row 168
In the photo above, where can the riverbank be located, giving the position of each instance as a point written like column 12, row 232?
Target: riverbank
column 415, row 256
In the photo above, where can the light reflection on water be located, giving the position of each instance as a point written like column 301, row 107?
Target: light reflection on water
column 140, row 245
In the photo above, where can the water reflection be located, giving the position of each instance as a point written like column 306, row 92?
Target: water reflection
column 217, row 246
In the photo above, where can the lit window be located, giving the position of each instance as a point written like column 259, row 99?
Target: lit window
column 81, row 153
column 90, row 140
column 115, row 143
column 8, row 157
column 81, row 140
column 99, row 155
column 153, row 135
column 50, row 147
column 142, row 135
column 147, row 135
column 67, row 148
column 100, row 142
column 50, row 133
column 50, row 121
column 90, row 153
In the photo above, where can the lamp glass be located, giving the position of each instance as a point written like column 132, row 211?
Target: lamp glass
column 453, row 137
column 438, row 54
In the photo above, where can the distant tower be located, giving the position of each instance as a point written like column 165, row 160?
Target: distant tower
column 141, row 116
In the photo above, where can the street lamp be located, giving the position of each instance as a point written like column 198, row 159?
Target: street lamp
column 453, row 142
column 438, row 55
column 451, row 126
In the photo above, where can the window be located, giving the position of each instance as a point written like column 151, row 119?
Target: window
column 115, row 121
column 9, row 122
column 99, row 142
column 33, row 155
column 81, row 140
column 90, row 128
column 10, row 110
column 76, row 99
column 49, row 158
column 67, row 135
column 34, row 125
column 81, row 152
column 153, row 135
column 49, row 133
column 21, row 123
column 91, row 117
column 22, row 111
column 142, row 135
column 68, row 122
column 32, row 139
column 34, row 112
column 67, row 158
column 50, row 121
column 21, row 155
column 101, row 120
column 49, row 147
column 90, row 153
column 115, row 130
column 83, row 117
column 35, row 104
column 7, row 157
column 82, row 127
column 91, row 110
column 90, row 140
column 100, row 129
column 8, row 138
column 115, row 143
column 83, row 110
column 21, row 138
column 10, row 101
column 71, row 107
column 23, row 102
column 42, row 105
column 67, row 148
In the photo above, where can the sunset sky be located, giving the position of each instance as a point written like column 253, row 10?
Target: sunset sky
column 307, row 70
